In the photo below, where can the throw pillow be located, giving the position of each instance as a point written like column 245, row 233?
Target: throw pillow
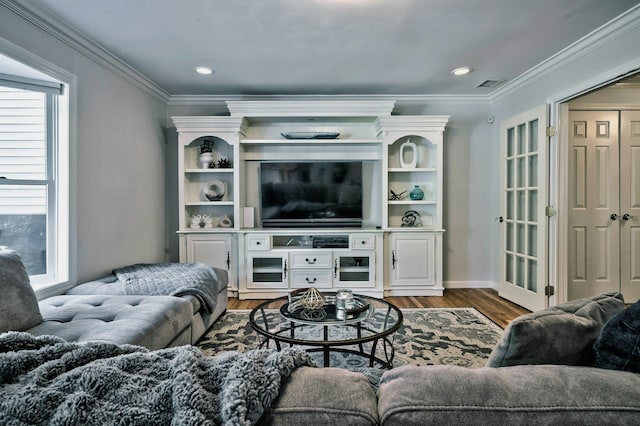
column 618, row 346
column 562, row 334
column 19, row 308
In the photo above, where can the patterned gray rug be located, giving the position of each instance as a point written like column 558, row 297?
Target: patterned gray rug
column 434, row 336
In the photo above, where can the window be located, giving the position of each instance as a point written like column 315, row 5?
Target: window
column 34, row 177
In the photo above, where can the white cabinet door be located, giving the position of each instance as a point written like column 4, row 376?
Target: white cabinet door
column 412, row 260
column 412, row 265
column 215, row 250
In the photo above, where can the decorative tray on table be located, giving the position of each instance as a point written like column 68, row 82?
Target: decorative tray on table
column 327, row 313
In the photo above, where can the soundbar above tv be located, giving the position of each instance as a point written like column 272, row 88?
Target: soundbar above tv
column 311, row 194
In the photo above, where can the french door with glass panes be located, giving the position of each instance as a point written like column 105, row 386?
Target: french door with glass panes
column 523, row 234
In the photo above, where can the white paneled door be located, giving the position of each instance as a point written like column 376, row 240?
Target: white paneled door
column 604, row 201
column 523, row 223
column 630, row 205
column 594, row 232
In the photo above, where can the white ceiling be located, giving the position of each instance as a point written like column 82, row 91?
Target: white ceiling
column 288, row 47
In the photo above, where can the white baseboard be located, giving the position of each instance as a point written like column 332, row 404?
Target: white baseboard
column 471, row 284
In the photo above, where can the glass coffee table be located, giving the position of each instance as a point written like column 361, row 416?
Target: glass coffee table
column 365, row 331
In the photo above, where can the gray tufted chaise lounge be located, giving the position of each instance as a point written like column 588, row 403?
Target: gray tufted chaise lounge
column 95, row 311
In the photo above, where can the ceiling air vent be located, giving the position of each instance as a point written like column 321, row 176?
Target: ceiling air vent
column 490, row 83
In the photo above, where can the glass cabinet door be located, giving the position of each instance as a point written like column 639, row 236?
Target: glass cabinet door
column 354, row 269
column 265, row 271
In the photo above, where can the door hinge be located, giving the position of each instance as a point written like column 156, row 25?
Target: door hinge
column 551, row 131
column 549, row 290
column 550, row 211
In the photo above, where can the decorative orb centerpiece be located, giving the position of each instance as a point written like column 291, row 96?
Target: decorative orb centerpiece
column 312, row 299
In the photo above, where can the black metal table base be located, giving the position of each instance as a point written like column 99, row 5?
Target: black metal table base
column 326, row 347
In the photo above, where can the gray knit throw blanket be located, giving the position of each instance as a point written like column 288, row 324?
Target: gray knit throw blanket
column 171, row 279
column 45, row 380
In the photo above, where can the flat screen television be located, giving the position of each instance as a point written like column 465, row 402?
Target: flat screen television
column 311, row 194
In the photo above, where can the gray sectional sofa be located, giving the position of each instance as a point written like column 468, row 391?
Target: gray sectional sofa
column 98, row 310
column 577, row 363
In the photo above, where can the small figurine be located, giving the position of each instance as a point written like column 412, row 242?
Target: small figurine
column 223, row 163
column 396, row 197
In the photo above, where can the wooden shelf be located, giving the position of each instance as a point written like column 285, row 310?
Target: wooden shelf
column 406, row 202
column 228, row 170
column 209, row 203
column 414, row 170
column 309, row 141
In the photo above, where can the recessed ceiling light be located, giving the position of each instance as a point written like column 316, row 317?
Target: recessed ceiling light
column 461, row 71
column 203, row 70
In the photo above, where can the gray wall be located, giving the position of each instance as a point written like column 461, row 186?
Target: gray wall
column 119, row 200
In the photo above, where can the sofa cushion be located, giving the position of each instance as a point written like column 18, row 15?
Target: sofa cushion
column 618, row 346
column 563, row 334
column 149, row 321
column 520, row 395
column 18, row 305
column 323, row 396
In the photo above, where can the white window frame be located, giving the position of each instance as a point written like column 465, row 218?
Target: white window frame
column 60, row 170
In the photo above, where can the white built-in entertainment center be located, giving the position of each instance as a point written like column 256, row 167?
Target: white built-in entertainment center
column 393, row 247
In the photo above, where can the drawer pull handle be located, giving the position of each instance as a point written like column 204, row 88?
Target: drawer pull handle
column 311, row 262
column 363, row 242
column 258, row 243
column 311, row 281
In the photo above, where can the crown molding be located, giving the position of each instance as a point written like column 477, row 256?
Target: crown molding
column 45, row 20
column 411, row 123
column 318, row 107
column 617, row 27
column 221, row 100
column 207, row 123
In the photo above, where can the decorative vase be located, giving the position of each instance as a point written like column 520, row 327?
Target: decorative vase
column 408, row 145
column 205, row 159
column 416, row 193
column 225, row 222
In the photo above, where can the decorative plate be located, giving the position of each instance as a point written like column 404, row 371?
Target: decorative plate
column 310, row 135
column 214, row 190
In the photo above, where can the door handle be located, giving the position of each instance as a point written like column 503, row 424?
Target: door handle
column 499, row 219
column 628, row 216
column 614, row 216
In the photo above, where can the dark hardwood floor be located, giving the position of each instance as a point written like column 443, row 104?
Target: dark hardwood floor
column 485, row 300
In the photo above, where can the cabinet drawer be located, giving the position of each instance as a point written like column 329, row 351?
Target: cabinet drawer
column 258, row 242
column 310, row 278
column 311, row 260
column 363, row 241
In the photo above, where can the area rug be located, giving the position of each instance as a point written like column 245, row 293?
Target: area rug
column 428, row 336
